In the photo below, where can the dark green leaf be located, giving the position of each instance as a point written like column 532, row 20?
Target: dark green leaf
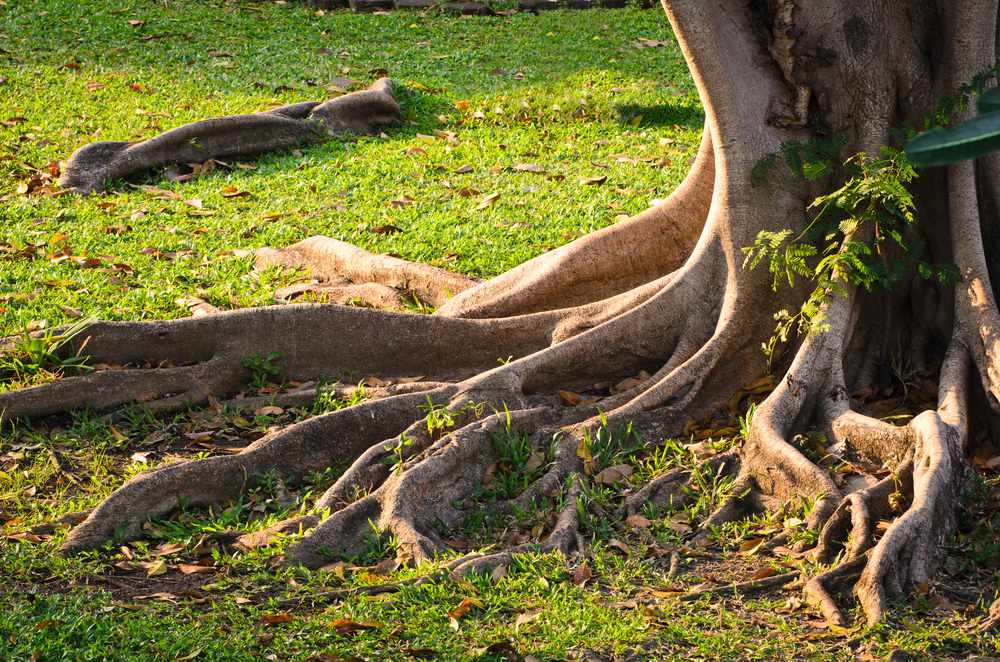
column 989, row 101
column 969, row 140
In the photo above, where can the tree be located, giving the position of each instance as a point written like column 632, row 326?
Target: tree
column 666, row 291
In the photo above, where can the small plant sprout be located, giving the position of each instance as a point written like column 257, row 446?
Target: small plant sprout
column 262, row 368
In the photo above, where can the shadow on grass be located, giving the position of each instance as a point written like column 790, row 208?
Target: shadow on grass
column 661, row 115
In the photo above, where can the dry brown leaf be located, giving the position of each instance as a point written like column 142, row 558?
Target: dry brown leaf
column 276, row 619
column 347, row 626
column 582, row 574
column 465, row 606
column 570, row 398
column 615, row 543
column 637, row 521
column 527, row 617
column 269, row 410
column 233, row 192
column 488, row 201
column 613, row 474
column 168, row 548
column 763, row 573
column 592, row 181
column 191, row 569
column 155, row 568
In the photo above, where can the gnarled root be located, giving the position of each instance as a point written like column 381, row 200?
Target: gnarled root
column 93, row 166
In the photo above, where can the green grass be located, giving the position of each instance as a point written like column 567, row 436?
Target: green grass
column 561, row 91
column 568, row 91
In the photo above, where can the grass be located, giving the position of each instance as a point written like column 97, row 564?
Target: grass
column 567, row 91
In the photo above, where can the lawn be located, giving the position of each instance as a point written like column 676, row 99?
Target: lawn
column 598, row 101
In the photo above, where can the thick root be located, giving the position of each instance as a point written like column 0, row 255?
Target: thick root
column 297, row 450
column 336, row 263
column 92, row 167
column 419, row 494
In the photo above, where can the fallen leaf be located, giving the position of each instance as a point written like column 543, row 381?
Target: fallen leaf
column 168, row 548
column 269, row 410
column 155, row 568
column 385, row 229
column 613, row 474
column 465, row 606
column 233, row 192
column 347, row 626
column 276, row 619
column 141, row 456
column 189, row 569
column 615, row 543
column 570, row 398
column 488, row 201
column 763, row 573
column 582, row 574
column 637, row 521
column 527, row 617
column 528, row 167
column 591, row 181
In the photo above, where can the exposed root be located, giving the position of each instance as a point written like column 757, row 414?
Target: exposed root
column 420, row 494
column 94, row 166
column 296, row 450
column 606, row 263
column 855, row 518
column 306, row 394
column 336, row 263
column 160, row 390
column 818, row 590
column 910, row 551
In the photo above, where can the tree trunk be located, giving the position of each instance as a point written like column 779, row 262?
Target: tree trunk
column 664, row 292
